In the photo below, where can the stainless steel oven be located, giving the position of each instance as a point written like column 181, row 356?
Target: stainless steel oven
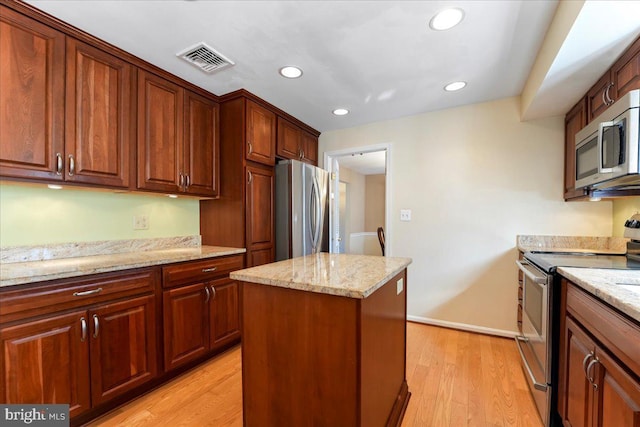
column 535, row 343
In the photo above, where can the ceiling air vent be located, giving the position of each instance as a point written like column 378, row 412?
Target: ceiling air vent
column 205, row 57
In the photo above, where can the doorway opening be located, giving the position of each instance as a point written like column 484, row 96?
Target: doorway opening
column 359, row 200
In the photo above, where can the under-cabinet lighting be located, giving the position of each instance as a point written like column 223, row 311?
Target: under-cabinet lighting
column 172, row 196
column 54, row 187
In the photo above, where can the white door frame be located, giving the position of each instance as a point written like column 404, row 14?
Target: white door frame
column 330, row 155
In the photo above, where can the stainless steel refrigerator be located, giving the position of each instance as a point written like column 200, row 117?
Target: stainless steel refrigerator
column 302, row 209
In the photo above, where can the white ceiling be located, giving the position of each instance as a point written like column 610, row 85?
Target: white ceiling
column 377, row 58
column 371, row 163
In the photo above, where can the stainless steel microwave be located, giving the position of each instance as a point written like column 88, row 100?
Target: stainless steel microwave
column 607, row 148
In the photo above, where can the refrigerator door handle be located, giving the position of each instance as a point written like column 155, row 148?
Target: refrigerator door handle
column 318, row 214
column 312, row 215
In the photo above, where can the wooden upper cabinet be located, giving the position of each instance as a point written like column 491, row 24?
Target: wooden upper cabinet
column 309, row 145
column 289, row 140
column 599, row 96
column 99, row 137
column 47, row 361
column 295, row 143
column 261, row 134
column 202, row 151
column 625, row 72
column 160, row 135
column 31, row 98
column 574, row 121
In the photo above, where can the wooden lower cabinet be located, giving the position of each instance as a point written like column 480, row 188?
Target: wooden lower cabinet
column 224, row 322
column 83, row 358
column 199, row 318
column 313, row 359
column 123, row 347
column 599, row 390
column 186, row 334
column 47, row 361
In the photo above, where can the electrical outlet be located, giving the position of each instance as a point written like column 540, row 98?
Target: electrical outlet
column 399, row 286
column 140, row 222
column 405, row 214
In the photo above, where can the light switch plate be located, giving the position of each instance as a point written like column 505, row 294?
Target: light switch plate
column 140, row 222
column 399, row 286
column 405, row 214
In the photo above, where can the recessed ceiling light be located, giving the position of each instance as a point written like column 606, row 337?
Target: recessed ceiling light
column 290, row 72
column 446, row 19
column 340, row 111
column 54, row 187
column 452, row 87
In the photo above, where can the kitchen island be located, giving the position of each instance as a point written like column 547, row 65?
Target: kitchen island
column 324, row 341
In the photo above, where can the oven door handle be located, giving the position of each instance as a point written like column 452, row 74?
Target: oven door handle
column 541, row 280
column 536, row 384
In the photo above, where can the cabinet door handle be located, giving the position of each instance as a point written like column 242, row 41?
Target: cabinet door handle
column 609, row 100
column 589, row 376
column 250, row 179
column 181, row 181
column 250, row 147
column 207, row 293
column 188, row 182
column 72, row 165
column 59, row 165
column 213, row 291
column 85, row 293
column 96, row 326
column 83, row 327
column 604, row 95
column 585, row 361
column 209, row 270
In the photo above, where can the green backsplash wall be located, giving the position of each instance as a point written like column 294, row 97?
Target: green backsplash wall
column 622, row 210
column 33, row 215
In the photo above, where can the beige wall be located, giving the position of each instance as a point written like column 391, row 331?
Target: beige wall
column 374, row 202
column 622, row 210
column 474, row 177
column 355, row 202
column 32, row 215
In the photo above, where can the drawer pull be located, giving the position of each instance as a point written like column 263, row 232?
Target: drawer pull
column 85, row 293
column 209, row 270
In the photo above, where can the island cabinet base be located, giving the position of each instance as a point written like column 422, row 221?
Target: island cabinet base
column 312, row 359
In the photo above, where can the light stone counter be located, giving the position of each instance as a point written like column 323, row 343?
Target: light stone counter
column 577, row 244
column 619, row 288
column 22, row 265
column 353, row 276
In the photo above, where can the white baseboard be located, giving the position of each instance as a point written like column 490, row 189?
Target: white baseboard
column 463, row 326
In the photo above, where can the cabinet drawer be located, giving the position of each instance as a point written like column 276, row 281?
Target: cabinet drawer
column 198, row 271
column 50, row 297
column 618, row 333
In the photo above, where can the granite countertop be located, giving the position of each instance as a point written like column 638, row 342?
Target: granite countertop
column 575, row 244
column 35, row 264
column 353, row 276
column 619, row 288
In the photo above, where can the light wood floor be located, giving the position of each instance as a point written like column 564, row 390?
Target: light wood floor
column 456, row 379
